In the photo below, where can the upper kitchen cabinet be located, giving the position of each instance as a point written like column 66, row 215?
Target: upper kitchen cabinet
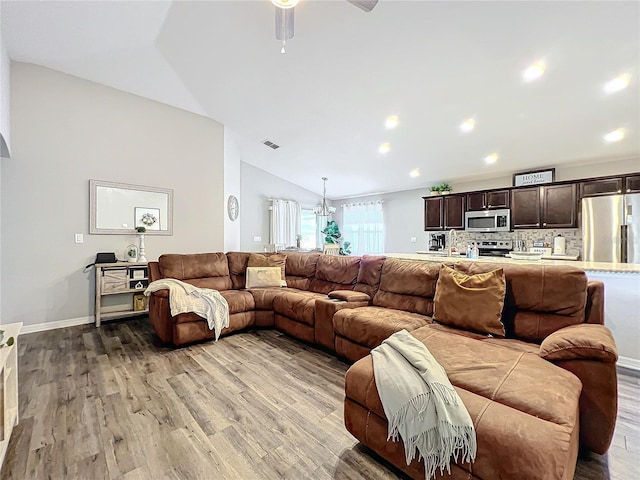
column 454, row 212
column 433, row 213
column 551, row 206
column 632, row 184
column 487, row 200
column 559, row 206
column 525, row 208
column 444, row 212
column 601, row 186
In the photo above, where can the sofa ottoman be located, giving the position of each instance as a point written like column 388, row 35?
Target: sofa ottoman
column 524, row 409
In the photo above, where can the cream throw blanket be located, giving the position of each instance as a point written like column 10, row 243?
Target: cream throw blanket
column 421, row 405
column 185, row 298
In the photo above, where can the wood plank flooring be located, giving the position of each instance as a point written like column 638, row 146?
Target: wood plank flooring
column 112, row 403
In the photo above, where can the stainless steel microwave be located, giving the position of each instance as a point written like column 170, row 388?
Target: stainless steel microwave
column 488, row 221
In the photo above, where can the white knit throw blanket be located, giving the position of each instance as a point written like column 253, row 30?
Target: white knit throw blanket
column 185, row 298
column 421, row 405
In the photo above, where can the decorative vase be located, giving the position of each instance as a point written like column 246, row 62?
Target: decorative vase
column 141, row 252
column 434, row 193
column 297, row 242
column 445, row 192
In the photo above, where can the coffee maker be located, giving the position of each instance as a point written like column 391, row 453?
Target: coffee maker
column 437, row 242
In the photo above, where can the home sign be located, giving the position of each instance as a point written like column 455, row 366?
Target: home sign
column 536, row 177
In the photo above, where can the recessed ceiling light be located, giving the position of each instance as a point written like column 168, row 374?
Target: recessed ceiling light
column 392, row 121
column 384, row 148
column 468, row 125
column 493, row 158
column 414, row 173
column 533, row 72
column 285, row 3
column 619, row 83
column 615, row 136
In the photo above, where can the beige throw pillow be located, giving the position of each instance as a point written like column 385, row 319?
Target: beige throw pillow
column 470, row 302
column 260, row 277
column 276, row 260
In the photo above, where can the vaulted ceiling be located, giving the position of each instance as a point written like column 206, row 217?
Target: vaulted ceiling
column 433, row 64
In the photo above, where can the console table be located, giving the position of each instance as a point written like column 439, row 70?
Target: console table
column 9, row 385
column 123, row 279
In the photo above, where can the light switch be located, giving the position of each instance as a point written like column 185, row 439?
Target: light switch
column 79, row 238
column 414, row 239
column 257, row 239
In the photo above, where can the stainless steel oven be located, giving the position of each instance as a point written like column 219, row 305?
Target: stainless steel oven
column 488, row 221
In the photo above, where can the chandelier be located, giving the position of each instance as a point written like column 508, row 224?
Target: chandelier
column 324, row 210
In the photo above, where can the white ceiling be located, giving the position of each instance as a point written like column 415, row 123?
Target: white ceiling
column 325, row 101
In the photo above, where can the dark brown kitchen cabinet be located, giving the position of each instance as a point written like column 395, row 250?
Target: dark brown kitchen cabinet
column 632, row 184
column 601, row 186
column 433, row 213
column 454, row 212
column 559, row 206
column 552, row 206
column 484, row 200
column 525, row 208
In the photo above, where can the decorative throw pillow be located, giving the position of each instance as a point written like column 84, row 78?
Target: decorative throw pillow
column 470, row 302
column 276, row 260
column 259, row 277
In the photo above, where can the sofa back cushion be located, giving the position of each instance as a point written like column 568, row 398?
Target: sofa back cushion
column 540, row 299
column 407, row 285
column 335, row 273
column 238, row 268
column 369, row 274
column 210, row 269
column 300, row 269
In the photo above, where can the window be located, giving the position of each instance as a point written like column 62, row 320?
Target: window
column 308, row 229
column 363, row 226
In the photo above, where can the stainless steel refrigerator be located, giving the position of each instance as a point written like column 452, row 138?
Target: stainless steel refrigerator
column 611, row 228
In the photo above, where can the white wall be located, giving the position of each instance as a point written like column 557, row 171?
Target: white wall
column 232, row 158
column 66, row 131
column 404, row 211
column 5, row 103
column 257, row 186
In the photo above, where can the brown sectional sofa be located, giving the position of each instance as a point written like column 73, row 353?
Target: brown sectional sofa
column 530, row 415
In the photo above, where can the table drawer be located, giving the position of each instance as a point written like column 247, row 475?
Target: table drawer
column 114, row 280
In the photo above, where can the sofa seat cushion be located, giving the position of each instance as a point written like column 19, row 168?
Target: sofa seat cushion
column 369, row 326
column 239, row 301
column 515, row 344
column 519, row 380
column 264, row 297
column 298, row 306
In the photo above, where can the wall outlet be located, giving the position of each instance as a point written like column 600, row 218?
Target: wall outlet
column 257, row 239
column 79, row 238
column 414, row 239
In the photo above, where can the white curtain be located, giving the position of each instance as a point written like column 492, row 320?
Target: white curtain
column 285, row 222
column 363, row 226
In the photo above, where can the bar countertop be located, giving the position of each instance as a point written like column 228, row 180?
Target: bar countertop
column 633, row 268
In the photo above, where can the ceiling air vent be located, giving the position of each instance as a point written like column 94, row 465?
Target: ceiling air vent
column 270, row 144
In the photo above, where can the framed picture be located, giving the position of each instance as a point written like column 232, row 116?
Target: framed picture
column 534, row 177
column 139, row 302
column 148, row 218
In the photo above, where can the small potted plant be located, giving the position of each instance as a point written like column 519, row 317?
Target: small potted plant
column 435, row 190
column 444, row 188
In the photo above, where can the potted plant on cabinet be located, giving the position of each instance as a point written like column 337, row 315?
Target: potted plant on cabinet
column 435, row 190
column 444, row 188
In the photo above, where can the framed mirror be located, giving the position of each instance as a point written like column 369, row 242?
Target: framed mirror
column 118, row 208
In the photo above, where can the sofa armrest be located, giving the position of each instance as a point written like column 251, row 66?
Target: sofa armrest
column 594, row 311
column 349, row 296
column 164, row 293
column 325, row 309
column 580, row 342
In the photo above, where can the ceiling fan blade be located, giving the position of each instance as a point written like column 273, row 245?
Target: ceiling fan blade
column 284, row 23
column 366, row 5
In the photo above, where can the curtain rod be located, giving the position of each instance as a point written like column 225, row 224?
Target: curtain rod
column 372, row 202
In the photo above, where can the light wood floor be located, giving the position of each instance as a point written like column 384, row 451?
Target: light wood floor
column 112, row 403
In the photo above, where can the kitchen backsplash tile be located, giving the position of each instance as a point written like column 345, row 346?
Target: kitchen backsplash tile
column 573, row 238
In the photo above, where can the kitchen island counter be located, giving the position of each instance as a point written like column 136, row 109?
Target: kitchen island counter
column 587, row 266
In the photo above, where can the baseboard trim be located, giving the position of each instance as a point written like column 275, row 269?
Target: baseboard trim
column 69, row 322
column 630, row 363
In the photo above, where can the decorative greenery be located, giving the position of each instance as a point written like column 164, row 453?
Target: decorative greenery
column 298, row 237
column 148, row 219
column 333, row 236
column 435, row 188
column 141, row 229
column 132, row 252
column 444, row 187
column 10, row 341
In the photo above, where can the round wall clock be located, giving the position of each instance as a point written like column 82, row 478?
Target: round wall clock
column 233, row 207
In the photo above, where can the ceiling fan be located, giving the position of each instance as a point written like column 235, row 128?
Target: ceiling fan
column 284, row 16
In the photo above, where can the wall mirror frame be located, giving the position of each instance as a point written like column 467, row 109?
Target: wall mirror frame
column 114, row 208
